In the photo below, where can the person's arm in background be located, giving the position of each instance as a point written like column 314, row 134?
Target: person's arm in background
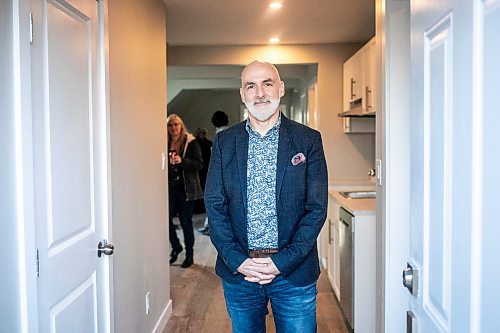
column 192, row 160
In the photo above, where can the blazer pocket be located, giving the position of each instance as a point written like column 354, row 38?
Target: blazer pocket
column 301, row 167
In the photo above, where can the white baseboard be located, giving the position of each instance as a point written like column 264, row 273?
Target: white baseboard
column 162, row 321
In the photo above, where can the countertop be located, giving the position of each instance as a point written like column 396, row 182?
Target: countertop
column 357, row 207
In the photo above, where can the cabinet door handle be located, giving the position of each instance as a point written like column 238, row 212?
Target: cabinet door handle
column 352, row 88
column 329, row 231
column 368, row 93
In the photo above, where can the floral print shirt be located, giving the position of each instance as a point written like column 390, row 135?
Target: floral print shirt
column 262, row 222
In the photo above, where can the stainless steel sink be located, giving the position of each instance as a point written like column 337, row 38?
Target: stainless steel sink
column 359, row 194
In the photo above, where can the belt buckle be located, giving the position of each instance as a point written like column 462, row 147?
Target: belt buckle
column 261, row 253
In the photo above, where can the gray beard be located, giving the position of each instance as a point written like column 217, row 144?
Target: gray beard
column 260, row 113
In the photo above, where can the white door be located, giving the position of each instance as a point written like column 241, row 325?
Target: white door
column 455, row 75
column 70, row 166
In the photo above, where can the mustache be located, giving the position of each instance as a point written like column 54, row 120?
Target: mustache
column 261, row 100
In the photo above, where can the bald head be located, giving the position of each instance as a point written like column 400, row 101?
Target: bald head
column 260, row 66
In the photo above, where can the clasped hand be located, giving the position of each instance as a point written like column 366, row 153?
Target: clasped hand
column 259, row 270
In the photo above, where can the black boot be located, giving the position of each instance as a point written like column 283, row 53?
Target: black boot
column 187, row 262
column 174, row 254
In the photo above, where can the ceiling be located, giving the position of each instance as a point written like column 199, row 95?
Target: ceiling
column 252, row 22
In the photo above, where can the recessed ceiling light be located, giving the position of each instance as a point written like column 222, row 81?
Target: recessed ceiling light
column 275, row 5
column 274, row 40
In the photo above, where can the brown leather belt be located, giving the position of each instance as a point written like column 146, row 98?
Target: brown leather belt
column 262, row 253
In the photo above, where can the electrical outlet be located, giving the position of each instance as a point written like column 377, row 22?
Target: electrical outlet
column 147, row 303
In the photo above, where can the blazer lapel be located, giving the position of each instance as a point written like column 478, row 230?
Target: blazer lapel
column 284, row 145
column 242, row 156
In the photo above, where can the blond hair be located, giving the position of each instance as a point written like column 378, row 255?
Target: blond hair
column 178, row 142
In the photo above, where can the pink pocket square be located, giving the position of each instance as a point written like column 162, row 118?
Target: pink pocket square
column 298, row 158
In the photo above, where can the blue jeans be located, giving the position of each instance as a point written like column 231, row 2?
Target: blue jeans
column 294, row 308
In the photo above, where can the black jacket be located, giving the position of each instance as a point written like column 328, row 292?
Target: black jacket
column 191, row 163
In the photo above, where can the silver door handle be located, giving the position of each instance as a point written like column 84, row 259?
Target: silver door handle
column 368, row 92
column 352, row 88
column 105, row 248
column 410, row 278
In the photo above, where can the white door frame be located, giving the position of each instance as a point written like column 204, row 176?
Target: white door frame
column 24, row 160
column 393, row 154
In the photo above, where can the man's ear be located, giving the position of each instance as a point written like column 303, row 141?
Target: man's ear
column 282, row 89
column 242, row 95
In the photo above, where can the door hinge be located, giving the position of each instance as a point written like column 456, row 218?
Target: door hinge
column 411, row 322
column 37, row 263
column 31, row 28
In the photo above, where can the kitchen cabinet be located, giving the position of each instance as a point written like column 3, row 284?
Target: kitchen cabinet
column 362, row 268
column 323, row 241
column 370, row 67
column 333, row 246
column 359, row 79
column 353, row 79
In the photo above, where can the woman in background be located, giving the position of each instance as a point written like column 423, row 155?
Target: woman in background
column 184, row 162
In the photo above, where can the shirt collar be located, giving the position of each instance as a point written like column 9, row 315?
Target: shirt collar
column 275, row 127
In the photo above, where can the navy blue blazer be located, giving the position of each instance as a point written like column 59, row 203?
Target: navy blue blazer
column 301, row 195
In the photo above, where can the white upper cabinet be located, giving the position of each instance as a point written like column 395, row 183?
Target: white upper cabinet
column 359, row 79
column 369, row 76
column 353, row 79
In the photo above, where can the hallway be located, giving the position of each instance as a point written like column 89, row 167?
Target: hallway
column 198, row 301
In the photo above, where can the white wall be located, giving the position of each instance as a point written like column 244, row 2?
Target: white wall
column 9, row 278
column 349, row 157
column 137, row 72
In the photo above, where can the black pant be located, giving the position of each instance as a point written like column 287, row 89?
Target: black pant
column 184, row 209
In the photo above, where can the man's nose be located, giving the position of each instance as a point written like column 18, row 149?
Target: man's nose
column 260, row 91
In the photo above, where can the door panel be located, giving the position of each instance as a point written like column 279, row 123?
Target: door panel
column 62, row 314
column 70, row 167
column 441, row 162
column 437, row 169
column 68, row 126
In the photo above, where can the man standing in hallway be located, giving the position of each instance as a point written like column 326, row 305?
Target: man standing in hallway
column 266, row 200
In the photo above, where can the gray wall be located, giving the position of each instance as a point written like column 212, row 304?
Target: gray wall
column 137, row 72
column 9, row 262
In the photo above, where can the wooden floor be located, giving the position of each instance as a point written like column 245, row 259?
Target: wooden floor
column 198, row 300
